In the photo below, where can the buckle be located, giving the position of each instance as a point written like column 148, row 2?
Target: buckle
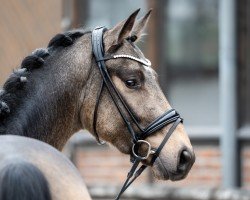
column 136, row 147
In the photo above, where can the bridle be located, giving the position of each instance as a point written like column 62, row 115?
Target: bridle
column 170, row 116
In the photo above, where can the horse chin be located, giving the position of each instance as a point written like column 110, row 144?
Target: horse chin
column 161, row 172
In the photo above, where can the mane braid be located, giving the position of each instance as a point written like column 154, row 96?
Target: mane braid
column 66, row 39
column 14, row 89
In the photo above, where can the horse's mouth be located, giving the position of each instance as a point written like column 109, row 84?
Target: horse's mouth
column 162, row 173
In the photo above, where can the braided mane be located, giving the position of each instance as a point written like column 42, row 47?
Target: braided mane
column 14, row 89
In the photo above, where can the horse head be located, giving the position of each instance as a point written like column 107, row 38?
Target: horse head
column 136, row 82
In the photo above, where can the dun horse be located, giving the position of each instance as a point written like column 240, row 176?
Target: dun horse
column 34, row 170
column 99, row 81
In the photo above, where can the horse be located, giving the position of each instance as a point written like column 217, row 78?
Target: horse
column 99, row 81
column 31, row 169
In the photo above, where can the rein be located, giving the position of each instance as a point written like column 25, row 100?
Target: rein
column 170, row 116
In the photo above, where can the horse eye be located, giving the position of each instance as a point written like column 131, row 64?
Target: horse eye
column 131, row 83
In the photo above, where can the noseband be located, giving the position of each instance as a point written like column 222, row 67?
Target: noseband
column 170, row 116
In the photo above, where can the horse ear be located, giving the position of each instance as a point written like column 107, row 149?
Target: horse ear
column 141, row 24
column 121, row 31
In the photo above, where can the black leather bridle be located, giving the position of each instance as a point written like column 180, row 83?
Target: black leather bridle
column 170, row 116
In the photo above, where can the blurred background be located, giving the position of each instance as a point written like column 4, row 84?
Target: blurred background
column 201, row 50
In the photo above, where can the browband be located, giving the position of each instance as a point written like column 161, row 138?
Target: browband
column 145, row 62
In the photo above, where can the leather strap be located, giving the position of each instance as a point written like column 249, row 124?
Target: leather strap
column 97, row 43
column 164, row 141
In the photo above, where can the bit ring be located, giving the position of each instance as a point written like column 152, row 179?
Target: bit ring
column 150, row 151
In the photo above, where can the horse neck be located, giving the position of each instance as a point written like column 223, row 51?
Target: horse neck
column 50, row 111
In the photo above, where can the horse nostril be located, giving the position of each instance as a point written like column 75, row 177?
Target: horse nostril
column 186, row 160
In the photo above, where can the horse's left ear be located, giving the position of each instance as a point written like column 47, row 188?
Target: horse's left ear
column 121, row 31
column 141, row 24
